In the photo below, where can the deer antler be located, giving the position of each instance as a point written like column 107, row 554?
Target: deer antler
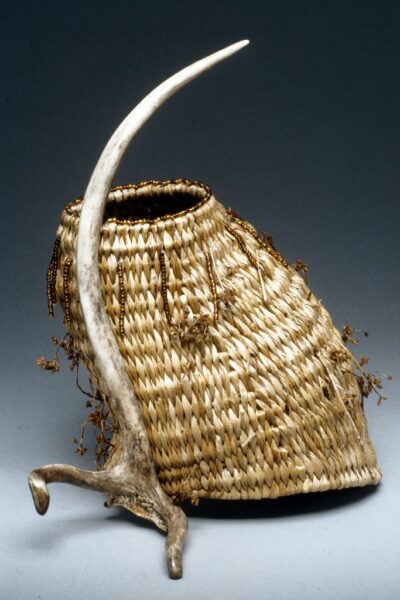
column 131, row 480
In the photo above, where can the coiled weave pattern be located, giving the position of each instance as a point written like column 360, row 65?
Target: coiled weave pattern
column 245, row 386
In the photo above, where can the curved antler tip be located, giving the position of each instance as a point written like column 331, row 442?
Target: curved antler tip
column 235, row 47
column 175, row 564
column 39, row 491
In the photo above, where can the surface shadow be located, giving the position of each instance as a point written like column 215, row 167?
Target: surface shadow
column 56, row 532
column 286, row 506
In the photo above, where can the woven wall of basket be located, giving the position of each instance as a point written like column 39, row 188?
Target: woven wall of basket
column 245, row 386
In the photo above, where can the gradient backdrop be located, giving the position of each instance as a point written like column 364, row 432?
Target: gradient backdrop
column 300, row 134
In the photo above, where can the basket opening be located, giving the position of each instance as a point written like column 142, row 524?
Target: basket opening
column 152, row 203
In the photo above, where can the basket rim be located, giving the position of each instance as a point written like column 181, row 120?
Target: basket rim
column 72, row 208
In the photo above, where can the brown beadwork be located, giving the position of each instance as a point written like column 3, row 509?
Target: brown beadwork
column 253, row 261
column 122, row 298
column 160, row 184
column 212, row 284
column 51, row 278
column 164, row 286
column 250, row 229
column 67, row 298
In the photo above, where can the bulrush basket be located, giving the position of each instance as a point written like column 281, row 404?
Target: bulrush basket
column 243, row 387
column 244, row 384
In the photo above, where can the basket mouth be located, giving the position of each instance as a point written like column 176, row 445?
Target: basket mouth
column 151, row 201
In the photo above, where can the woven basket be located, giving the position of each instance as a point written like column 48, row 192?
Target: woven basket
column 221, row 372
column 245, row 386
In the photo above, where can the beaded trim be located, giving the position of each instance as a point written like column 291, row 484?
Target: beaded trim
column 67, row 298
column 243, row 247
column 51, row 278
column 212, row 284
column 136, row 186
column 164, row 286
column 122, row 298
column 263, row 243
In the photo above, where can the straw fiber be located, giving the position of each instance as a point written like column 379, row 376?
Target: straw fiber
column 245, row 386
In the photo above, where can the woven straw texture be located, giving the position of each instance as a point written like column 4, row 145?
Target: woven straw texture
column 245, row 386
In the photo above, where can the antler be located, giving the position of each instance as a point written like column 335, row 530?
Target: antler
column 132, row 481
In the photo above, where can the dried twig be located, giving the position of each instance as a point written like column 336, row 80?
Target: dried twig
column 100, row 417
column 301, row 267
column 368, row 382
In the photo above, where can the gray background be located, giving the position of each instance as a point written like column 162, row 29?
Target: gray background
column 300, row 134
